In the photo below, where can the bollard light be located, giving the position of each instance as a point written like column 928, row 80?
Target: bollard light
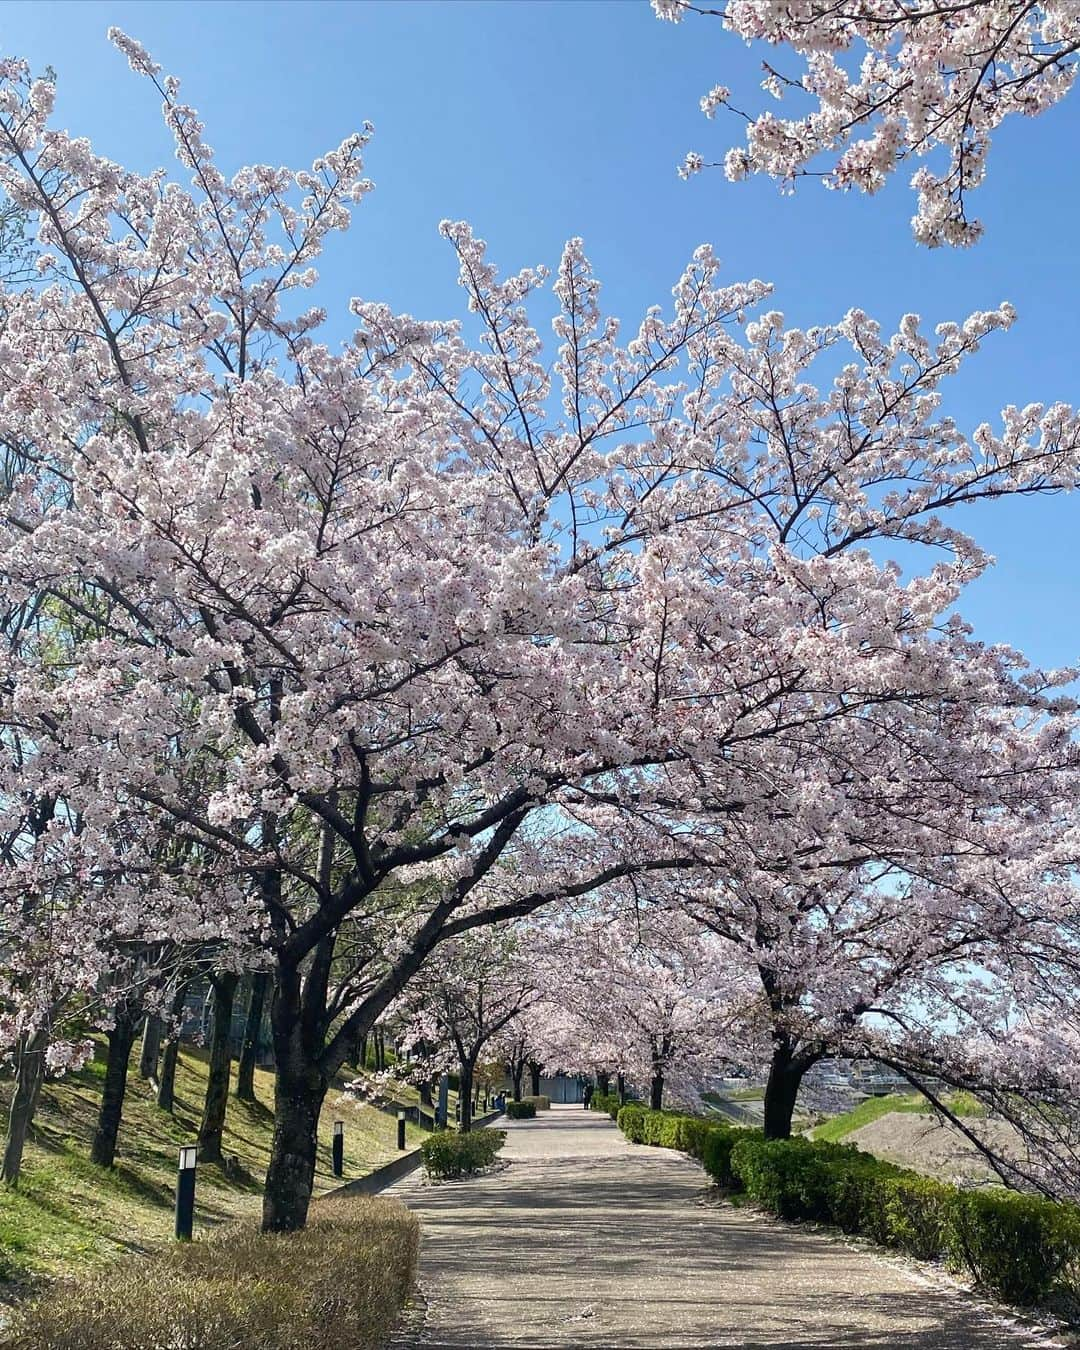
column 401, row 1129
column 185, row 1192
column 339, row 1148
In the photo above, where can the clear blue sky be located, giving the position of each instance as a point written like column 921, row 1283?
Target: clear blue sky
column 538, row 120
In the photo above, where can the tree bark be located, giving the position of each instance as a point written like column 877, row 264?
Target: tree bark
column 782, row 1089
column 517, row 1073
column 121, row 1038
column 166, row 1088
column 465, row 1095
column 249, row 1051
column 217, row 1081
column 656, row 1092
column 620, row 1088
column 603, row 1083
column 299, row 1090
column 534, row 1077
column 151, row 1046
column 29, row 1076
column 361, row 1054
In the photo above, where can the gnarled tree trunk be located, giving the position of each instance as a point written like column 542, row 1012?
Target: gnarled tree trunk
column 534, row 1077
column 29, row 1076
column 217, row 1080
column 786, row 1072
column 166, row 1088
column 299, row 1090
column 151, row 1046
column 121, row 1038
column 249, row 1051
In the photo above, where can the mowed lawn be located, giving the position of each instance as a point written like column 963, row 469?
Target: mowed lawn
column 68, row 1213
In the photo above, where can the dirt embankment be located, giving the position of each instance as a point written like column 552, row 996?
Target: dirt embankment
column 927, row 1144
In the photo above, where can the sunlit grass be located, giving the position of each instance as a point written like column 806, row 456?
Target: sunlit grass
column 67, row 1213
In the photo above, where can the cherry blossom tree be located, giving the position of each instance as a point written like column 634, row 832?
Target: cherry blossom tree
column 386, row 644
column 887, row 84
column 479, row 984
column 647, row 994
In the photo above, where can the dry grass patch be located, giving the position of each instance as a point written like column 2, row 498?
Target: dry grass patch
column 341, row 1282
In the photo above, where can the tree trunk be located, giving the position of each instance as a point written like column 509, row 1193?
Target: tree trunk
column 425, row 1093
column 153, row 1028
column 166, row 1088
column 603, row 1083
column 534, row 1077
column 620, row 1088
column 121, row 1038
column 465, row 1095
column 29, row 1076
column 782, row 1089
column 656, row 1092
column 249, row 1051
column 217, row 1080
column 299, row 1090
column 517, row 1073
column 361, row 1054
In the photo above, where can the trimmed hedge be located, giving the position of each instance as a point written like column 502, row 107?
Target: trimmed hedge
column 709, row 1141
column 1019, row 1247
column 606, row 1101
column 541, row 1103
column 341, row 1281
column 448, row 1155
column 523, row 1110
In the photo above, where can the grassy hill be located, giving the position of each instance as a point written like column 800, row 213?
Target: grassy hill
column 873, row 1108
column 68, row 1213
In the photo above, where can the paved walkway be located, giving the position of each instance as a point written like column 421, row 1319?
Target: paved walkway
column 586, row 1240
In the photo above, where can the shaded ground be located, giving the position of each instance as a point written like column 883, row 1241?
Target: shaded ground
column 586, row 1240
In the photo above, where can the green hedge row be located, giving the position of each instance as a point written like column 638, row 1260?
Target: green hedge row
column 709, row 1141
column 523, row 1110
column 541, row 1103
column 606, row 1101
column 1019, row 1247
column 448, row 1155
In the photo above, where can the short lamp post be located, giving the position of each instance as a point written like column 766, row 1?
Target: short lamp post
column 185, row 1193
column 339, row 1148
column 401, row 1129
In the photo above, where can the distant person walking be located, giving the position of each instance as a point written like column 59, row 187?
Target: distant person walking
column 586, row 1096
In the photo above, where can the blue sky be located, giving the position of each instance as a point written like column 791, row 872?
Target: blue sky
column 537, row 121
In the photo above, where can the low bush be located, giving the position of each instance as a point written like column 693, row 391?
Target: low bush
column 523, row 1110
column 448, row 1155
column 1017, row 1246
column 341, row 1281
column 709, row 1141
column 541, row 1102
column 631, row 1120
column 609, row 1102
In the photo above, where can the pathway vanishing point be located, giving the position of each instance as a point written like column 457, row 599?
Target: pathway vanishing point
column 587, row 1240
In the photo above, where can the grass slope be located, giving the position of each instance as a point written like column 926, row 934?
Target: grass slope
column 68, row 1213
column 873, row 1108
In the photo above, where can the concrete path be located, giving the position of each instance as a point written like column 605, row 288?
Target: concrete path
column 586, row 1240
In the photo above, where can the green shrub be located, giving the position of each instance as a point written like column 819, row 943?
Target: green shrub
column 631, row 1120
column 339, row 1282
column 523, row 1110
column 716, row 1149
column 606, row 1101
column 1017, row 1246
column 540, row 1102
column 914, row 1215
column 448, row 1155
